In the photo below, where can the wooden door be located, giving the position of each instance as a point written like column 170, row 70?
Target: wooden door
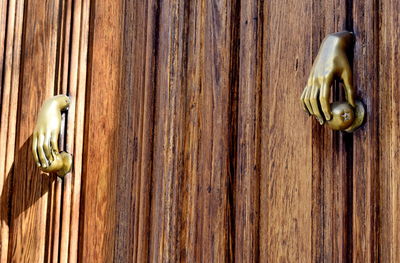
column 189, row 141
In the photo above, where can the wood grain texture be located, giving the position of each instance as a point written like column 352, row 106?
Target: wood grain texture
column 286, row 153
column 189, row 142
column 57, row 202
column 37, row 34
column 143, row 165
column 3, row 26
column 248, row 167
column 206, row 91
column 102, row 152
column 31, row 224
column 135, row 132
column 214, row 169
column 153, row 181
column 75, row 55
column 366, row 140
column 332, row 155
column 9, row 91
column 389, row 136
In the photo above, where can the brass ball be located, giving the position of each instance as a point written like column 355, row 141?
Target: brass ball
column 342, row 116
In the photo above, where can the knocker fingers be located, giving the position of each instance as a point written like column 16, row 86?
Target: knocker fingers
column 34, row 149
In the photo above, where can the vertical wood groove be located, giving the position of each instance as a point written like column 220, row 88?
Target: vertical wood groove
column 331, row 171
column 247, row 175
column 286, row 153
column 388, row 132
column 10, row 90
column 366, row 140
column 32, row 62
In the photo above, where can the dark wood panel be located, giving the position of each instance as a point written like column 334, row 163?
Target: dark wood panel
column 389, row 136
column 217, row 126
column 136, row 132
column 366, row 140
column 332, row 155
column 212, row 92
column 147, row 188
column 168, row 133
column 286, row 153
column 247, row 175
column 200, row 170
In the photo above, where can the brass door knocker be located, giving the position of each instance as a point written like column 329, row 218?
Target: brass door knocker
column 45, row 137
column 331, row 63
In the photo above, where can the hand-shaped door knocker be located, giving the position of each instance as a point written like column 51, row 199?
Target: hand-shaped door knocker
column 332, row 62
column 45, row 137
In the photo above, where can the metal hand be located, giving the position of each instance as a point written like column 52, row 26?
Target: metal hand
column 330, row 63
column 45, row 136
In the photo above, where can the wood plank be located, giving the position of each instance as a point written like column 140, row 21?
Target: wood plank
column 136, row 132
column 101, row 152
column 191, row 235
column 144, row 141
column 9, row 105
column 389, row 136
column 77, row 124
column 218, row 129
column 192, row 160
column 3, row 26
column 31, row 224
column 57, row 202
column 53, row 219
column 196, row 158
column 247, row 177
column 168, row 133
column 195, row 187
column 73, row 82
column 366, row 140
column 286, row 151
column 126, row 179
column 331, row 179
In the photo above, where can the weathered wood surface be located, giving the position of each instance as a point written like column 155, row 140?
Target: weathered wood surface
column 331, row 153
column 9, row 91
column 388, row 113
column 37, row 61
column 286, row 155
column 188, row 138
column 366, row 141
column 32, row 219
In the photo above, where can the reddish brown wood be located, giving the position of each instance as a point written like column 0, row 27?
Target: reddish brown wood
column 366, row 140
column 9, row 91
column 286, row 153
column 332, row 154
column 389, row 137
column 72, row 81
column 189, row 142
column 169, row 106
column 247, row 174
column 3, row 23
column 31, row 226
column 214, row 122
column 101, row 153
